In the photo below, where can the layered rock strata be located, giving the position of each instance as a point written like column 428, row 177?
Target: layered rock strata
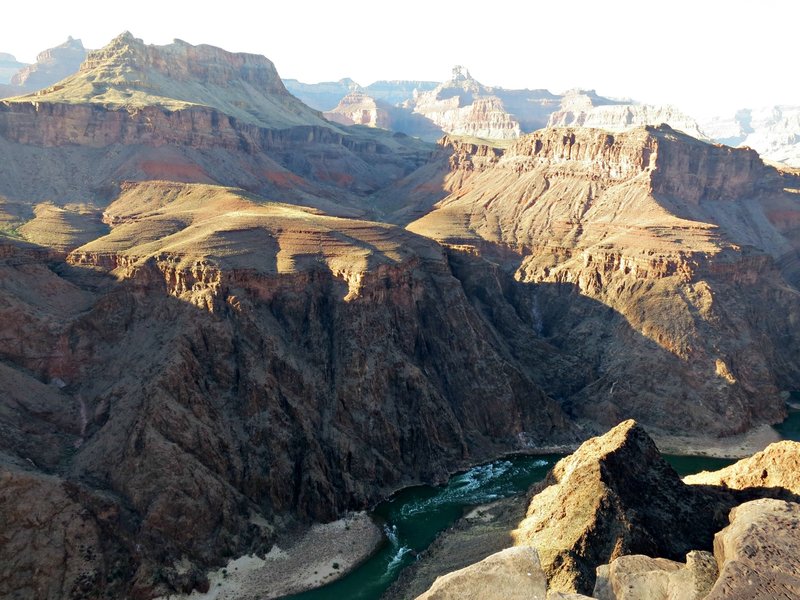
column 581, row 108
column 188, row 113
column 463, row 107
column 219, row 366
column 617, row 496
column 651, row 239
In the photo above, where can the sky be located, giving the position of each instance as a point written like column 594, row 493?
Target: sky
column 706, row 57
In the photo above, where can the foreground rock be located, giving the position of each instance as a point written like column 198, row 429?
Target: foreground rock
column 617, row 496
column 512, row 574
column 638, row 577
column 759, row 552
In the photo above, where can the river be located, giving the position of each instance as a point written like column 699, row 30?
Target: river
column 415, row 516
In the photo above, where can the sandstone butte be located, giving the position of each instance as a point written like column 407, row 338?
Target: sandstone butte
column 224, row 316
column 613, row 521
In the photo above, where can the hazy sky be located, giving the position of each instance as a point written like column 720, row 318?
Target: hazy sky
column 705, row 56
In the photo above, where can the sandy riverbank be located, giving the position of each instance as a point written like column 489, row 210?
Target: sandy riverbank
column 738, row 446
column 324, row 553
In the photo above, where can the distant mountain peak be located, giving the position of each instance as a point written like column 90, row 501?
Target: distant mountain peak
column 127, row 73
column 51, row 65
column 460, row 73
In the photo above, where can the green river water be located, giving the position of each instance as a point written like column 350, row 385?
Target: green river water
column 415, row 516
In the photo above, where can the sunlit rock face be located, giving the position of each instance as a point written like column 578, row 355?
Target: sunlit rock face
column 644, row 251
column 616, row 504
column 462, row 106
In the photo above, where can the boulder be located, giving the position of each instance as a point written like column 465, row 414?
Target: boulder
column 614, row 496
column 759, row 552
column 638, row 577
column 512, row 574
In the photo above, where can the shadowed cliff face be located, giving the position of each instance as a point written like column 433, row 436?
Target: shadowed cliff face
column 218, row 362
column 685, row 242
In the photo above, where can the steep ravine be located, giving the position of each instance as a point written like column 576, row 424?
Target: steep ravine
column 233, row 398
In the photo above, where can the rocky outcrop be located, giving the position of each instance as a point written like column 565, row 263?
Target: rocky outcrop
column 512, row 574
column 462, row 106
column 759, row 553
column 777, row 466
column 646, row 223
column 636, row 577
column 615, row 521
column 51, row 66
column 616, row 496
column 356, row 108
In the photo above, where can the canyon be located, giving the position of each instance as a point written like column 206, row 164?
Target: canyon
column 225, row 316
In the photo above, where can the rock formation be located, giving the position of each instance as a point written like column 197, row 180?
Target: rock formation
column 128, row 74
column 513, row 574
column 614, row 520
column 774, row 132
column 637, row 577
column 759, row 552
column 9, row 65
column 358, row 108
column 777, row 466
column 649, row 247
column 581, row 108
column 615, row 496
column 51, row 66
column 462, row 106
